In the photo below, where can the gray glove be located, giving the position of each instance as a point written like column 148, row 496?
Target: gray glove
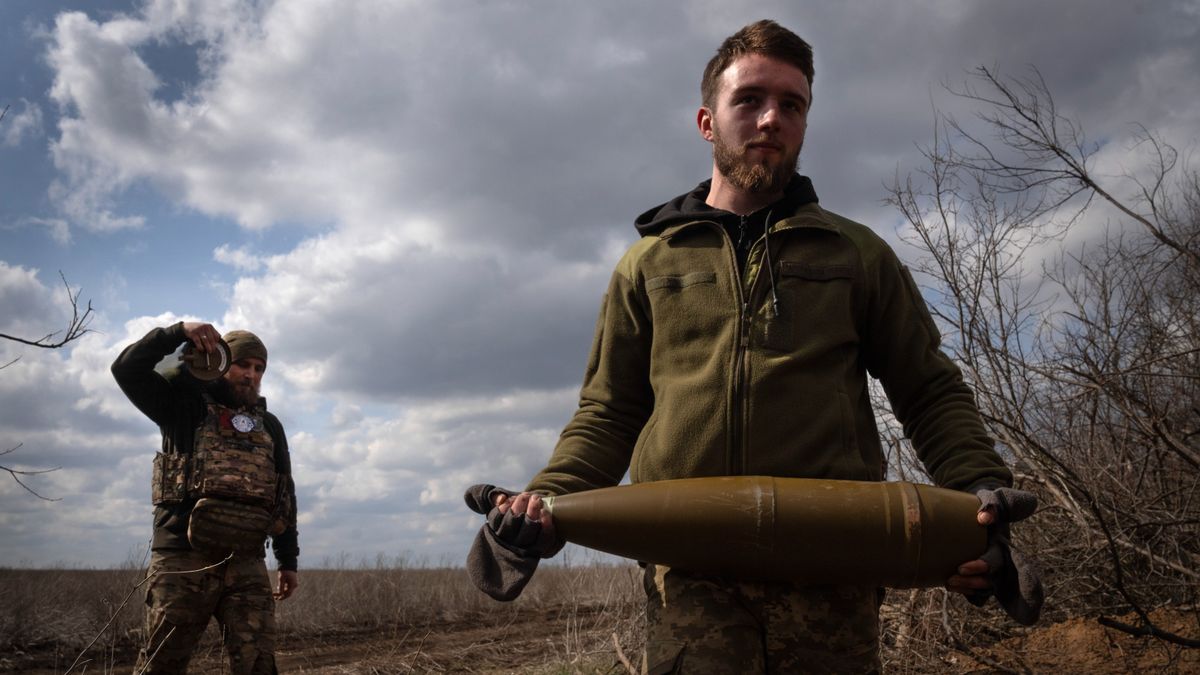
column 505, row 552
column 1016, row 580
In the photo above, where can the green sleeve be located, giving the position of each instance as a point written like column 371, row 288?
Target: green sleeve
column 615, row 401
column 926, row 389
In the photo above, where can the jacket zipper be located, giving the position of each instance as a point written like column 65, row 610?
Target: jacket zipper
column 737, row 437
column 742, row 369
column 733, row 437
column 738, row 442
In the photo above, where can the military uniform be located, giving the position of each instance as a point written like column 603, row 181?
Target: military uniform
column 221, row 484
column 186, row 589
column 702, row 624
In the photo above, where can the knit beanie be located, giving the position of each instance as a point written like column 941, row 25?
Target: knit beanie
column 244, row 344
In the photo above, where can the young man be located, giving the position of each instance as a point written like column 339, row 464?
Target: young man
column 736, row 338
column 221, row 484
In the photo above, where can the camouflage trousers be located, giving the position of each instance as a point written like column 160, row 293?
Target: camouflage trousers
column 182, row 596
column 699, row 624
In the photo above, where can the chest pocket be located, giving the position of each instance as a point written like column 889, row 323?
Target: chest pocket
column 676, row 283
column 815, row 312
column 686, row 311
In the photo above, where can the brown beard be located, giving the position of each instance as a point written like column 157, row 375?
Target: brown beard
column 753, row 177
column 242, row 395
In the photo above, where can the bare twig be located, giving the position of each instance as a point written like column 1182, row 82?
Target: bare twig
column 1148, row 629
column 150, row 659
column 622, row 658
column 16, row 473
column 76, row 328
column 125, row 601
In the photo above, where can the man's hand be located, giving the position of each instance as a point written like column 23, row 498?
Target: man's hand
column 973, row 576
column 1002, row 571
column 288, row 581
column 203, row 335
column 530, row 505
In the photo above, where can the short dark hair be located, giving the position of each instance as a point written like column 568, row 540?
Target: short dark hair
column 761, row 37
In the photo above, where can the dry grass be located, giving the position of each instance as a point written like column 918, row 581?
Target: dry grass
column 565, row 619
column 387, row 617
column 55, row 614
column 403, row 619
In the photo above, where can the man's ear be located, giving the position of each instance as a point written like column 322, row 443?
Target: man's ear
column 704, row 123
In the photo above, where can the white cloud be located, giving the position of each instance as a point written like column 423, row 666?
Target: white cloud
column 22, row 295
column 241, row 259
column 287, row 125
column 345, row 415
column 58, row 228
column 22, row 124
column 400, row 476
column 380, row 316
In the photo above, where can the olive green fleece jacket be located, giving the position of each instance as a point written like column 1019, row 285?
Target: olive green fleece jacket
column 693, row 373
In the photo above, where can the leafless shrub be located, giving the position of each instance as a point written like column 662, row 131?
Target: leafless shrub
column 1087, row 365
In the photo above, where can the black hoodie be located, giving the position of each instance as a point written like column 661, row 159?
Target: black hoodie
column 743, row 231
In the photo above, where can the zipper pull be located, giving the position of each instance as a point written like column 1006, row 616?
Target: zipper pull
column 744, row 331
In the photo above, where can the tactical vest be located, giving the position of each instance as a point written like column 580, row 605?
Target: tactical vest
column 233, row 458
column 231, row 473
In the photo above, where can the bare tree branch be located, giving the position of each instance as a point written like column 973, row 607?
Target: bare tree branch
column 1086, row 367
column 1149, row 630
column 17, row 473
column 77, row 328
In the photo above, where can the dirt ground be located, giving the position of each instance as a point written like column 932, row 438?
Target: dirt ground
column 533, row 644
column 451, row 647
column 1085, row 646
column 530, row 644
column 1074, row 646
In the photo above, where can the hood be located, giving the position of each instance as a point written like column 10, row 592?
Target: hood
column 690, row 206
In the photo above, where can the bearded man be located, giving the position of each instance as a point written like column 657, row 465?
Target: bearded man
column 222, row 483
column 736, row 338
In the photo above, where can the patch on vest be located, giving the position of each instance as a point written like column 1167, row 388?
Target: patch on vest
column 234, row 458
column 243, row 423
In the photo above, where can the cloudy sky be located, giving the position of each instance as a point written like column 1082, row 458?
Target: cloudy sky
column 417, row 205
